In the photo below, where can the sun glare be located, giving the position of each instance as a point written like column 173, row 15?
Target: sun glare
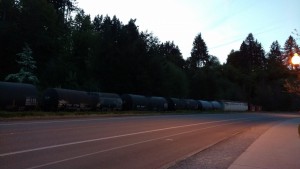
column 296, row 59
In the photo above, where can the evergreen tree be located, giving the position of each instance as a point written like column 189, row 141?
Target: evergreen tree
column 290, row 48
column 275, row 52
column 292, row 83
column 213, row 61
column 236, row 59
column 10, row 36
column 27, row 64
column 63, row 8
column 172, row 53
column 199, row 54
column 253, row 53
column 81, row 50
column 275, row 66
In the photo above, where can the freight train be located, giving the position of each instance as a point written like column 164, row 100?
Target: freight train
column 19, row 96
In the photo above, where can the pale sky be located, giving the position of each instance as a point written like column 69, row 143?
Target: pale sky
column 223, row 24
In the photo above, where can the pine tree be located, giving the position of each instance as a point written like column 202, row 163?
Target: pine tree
column 172, row 53
column 290, row 47
column 253, row 53
column 199, row 55
column 27, row 64
column 275, row 68
column 275, row 52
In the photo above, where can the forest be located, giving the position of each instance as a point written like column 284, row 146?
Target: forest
column 53, row 43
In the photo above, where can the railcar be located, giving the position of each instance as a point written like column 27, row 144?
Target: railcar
column 204, row 105
column 134, row 102
column 178, row 104
column 234, row 106
column 107, row 101
column 18, row 96
column 55, row 99
column 157, row 103
column 216, row 105
column 191, row 104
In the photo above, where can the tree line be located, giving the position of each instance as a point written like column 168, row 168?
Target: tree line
column 53, row 43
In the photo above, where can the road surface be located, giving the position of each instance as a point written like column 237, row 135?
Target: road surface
column 119, row 142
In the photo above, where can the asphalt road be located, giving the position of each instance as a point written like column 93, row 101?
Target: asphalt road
column 119, row 142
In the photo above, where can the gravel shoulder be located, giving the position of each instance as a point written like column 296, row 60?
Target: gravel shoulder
column 224, row 153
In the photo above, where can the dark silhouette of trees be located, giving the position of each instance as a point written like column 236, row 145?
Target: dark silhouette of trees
column 236, row 59
column 199, row 54
column 63, row 8
column 251, row 61
column 73, row 50
column 290, row 47
column 275, row 65
column 265, row 79
column 253, row 54
column 172, row 53
column 292, row 83
column 10, row 35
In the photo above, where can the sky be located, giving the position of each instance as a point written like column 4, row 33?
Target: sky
column 223, row 24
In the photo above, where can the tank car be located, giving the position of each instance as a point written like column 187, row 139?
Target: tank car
column 18, row 96
column 205, row 105
column 216, row 105
column 191, row 104
column 134, row 102
column 177, row 104
column 55, row 99
column 107, row 101
column 157, row 103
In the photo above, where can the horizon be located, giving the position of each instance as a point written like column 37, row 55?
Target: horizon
column 223, row 24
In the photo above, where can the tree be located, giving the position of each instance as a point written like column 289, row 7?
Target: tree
column 292, row 85
column 213, row 61
column 81, row 48
column 275, row 52
column 63, row 8
column 251, row 62
column 27, row 63
column 97, row 23
column 36, row 23
column 10, row 36
column 175, row 82
column 275, row 67
column 237, row 60
column 172, row 53
column 253, row 53
column 199, row 54
column 290, row 47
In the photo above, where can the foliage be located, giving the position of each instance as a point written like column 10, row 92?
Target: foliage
column 25, row 75
column 253, row 55
column 199, row 55
column 290, row 47
column 264, row 78
column 72, row 50
column 292, row 84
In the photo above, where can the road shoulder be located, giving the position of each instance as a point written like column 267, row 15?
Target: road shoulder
column 277, row 148
column 223, row 154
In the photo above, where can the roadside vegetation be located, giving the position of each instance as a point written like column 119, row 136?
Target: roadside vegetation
column 53, row 43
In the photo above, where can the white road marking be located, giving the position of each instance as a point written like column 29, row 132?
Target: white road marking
column 128, row 145
column 112, row 137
